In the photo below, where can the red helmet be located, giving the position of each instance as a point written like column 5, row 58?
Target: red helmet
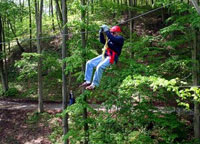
column 115, row 29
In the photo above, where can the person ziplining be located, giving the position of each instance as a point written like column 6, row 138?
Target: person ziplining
column 113, row 44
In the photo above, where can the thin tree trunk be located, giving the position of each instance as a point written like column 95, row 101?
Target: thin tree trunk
column 64, row 77
column 52, row 15
column 9, row 47
column 13, row 31
column 87, row 21
column 195, row 76
column 58, row 10
column 2, row 73
column 131, row 24
column 135, row 3
column 30, row 26
column 58, row 14
column 83, row 39
column 92, row 6
column 38, row 17
column 5, row 54
column 20, row 4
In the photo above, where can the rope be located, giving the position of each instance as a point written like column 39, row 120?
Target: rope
column 54, row 36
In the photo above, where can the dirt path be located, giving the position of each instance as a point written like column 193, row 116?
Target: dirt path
column 32, row 105
column 14, row 128
column 12, row 105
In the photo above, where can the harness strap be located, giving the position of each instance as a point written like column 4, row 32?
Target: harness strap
column 105, row 46
column 112, row 54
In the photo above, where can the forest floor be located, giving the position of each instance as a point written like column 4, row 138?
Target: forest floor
column 19, row 125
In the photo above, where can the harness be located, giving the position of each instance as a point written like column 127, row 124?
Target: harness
column 110, row 52
column 105, row 46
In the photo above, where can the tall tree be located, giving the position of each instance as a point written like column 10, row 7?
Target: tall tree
column 64, row 79
column 131, row 23
column 13, row 29
column 52, row 14
column 4, row 51
column 30, row 25
column 92, row 6
column 59, row 13
column 196, row 75
column 83, row 40
column 2, row 71
column 38, row 18
column 135, row 2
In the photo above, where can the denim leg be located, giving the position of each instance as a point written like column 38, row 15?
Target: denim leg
column 90, row 66
column 99, row 70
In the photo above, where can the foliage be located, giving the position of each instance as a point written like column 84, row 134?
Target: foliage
column 11, row 92
column 151, row 74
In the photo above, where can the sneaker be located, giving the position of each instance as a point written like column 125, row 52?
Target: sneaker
column 85, row 84
column 91, row 87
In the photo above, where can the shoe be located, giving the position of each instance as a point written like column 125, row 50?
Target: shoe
column 85, row 84
column 91, row 87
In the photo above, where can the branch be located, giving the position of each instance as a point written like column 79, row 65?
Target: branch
column 194, row 2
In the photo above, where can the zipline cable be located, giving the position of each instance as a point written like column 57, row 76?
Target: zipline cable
column 56, row 36
column 143, row 14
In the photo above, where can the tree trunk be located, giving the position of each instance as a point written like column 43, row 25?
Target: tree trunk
column 38, row 18
column 131, row 25
column 5, row 54
column 195, row 3
column 64, row 79
column 92, row 6
column 135, row 3
column 87, row 22
column 195, row 76
column 20, row 4
column 9, row 47
column 83, row 40
column 59, row 14
column 30, row 26
column 13, row 31
column 2, row 72
column 52, row 15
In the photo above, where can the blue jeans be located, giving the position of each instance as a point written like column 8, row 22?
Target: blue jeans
column 100, row 65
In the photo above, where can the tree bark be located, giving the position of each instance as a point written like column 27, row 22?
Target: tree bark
column 13, row 31
column 195, row 76
column 38, row 18
column 83, row 40
column 58, row 10
column 5, row 54
column 135, row 2
column 92, row 6
column 195, row 3
column 30, row 26
column 131, row 25
column 2, row 72
column 64, row 77
column 52, row 15
column 20, row 4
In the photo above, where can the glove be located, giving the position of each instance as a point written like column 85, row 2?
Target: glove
column 101, row 30
column 105, row 28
